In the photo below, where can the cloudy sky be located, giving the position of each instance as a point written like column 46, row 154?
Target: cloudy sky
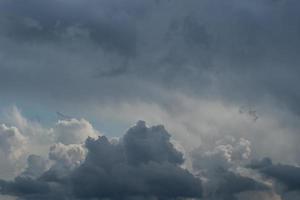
column 152, row 99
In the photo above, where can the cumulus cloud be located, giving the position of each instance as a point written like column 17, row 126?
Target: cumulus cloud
column 219, row 168
column 67, row 156
column 25, row 137
column 114, row 53
column 196, row 122
column 38, row 135
column 144, row 144
column 12, row 142
column 66, row 131
column 73, row 131
column 13, row 147
column 113, row 170
column 145, row 164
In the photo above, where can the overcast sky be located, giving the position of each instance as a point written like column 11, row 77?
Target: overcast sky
column 200, row 93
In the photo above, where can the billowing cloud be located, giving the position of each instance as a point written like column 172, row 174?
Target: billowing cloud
column 73, row 131
column 144, row 144
column 219, row 167
column 25, row 137
column 144, row 164
column 12, row 142
column 205, row 69
column 13, row 147
column 114, row 170
column 38, row 135
column 115, row 53
column 226, row 153
column 67, row 156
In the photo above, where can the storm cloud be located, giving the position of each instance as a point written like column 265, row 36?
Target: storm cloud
column 171, row 44
column 82, row 57
column 113, row 170
column 284, row 173
column 222, row 76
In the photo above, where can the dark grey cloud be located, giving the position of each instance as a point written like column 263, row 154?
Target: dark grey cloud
column 289, row 175
column 284, row 177
column 238, row 50
column 231, row 184
column 258, row 164
column 144, row 144
column 24, row 186
column 54, row 21
column 115, row 171
column 145, row 163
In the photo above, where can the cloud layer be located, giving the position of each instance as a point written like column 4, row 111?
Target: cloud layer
column 244, row 52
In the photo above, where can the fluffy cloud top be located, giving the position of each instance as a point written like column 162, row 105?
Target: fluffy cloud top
column 144, row 164
column 114, row 170
column 26, row 137
column 67, row 156
column 73, row 131
column 218, row 167
column 226, row 153
column 12, row 142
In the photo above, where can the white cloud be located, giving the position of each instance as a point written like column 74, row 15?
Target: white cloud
column 24, row 137
column 228, row 153
column 40, row 137
column 13, row 148
column 196, row 122
column 12, row 142
column 67, row 156
column 74, row 131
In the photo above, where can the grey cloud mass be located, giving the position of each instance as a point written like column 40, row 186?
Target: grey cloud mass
column 219, row 167
column 37, row 165
column 285, row 177
column 52, row 20
column 196, row 47
column 222, row 76
column 114, row 171
column 284, row 173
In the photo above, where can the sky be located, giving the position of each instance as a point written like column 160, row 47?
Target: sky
column 152, row 99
